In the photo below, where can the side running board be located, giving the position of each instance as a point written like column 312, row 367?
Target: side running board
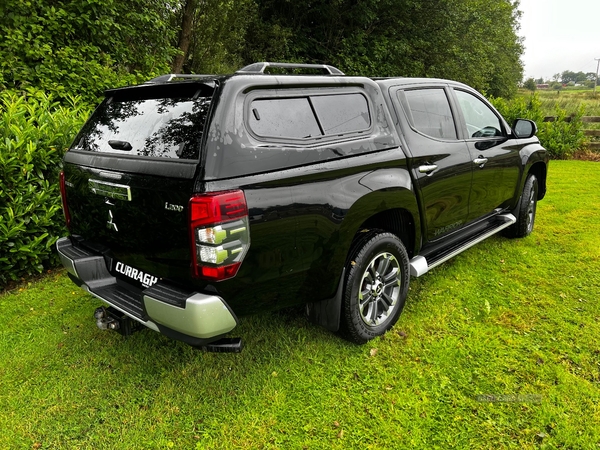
column 419, row 265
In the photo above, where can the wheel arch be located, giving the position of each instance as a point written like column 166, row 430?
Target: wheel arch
column 535, row 161
column 398, row 221
column 394, row 210
column 540, row 170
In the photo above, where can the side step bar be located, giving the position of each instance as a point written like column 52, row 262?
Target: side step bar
column 420, row 266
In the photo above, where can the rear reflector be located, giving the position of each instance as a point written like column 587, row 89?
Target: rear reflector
column 219, row 234
column 63, row 196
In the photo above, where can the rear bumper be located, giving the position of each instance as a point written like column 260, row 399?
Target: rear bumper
column 191, row 317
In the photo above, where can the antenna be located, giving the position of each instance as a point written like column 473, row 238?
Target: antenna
column 596, row 79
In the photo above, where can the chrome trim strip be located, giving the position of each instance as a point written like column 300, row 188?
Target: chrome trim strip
column 112, row 190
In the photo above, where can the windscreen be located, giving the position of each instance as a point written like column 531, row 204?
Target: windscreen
column 136, row 125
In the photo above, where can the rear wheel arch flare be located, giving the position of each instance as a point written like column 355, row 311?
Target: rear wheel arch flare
column 389, row 209
column 539, row 169
column 397, row 221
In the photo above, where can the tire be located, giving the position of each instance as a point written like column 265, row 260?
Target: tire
column 526, row 210
column 375, row 288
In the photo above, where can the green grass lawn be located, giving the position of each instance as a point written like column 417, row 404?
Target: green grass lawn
column 498, row 348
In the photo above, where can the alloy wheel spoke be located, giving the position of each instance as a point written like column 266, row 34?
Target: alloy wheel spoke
column 365, row 305
column 383, row 265
column 373, row 312
column 386, row 301
column 391, row 278
column 365, row 296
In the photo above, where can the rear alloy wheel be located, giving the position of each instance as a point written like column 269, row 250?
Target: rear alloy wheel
column 526, row 210
column 376, row 287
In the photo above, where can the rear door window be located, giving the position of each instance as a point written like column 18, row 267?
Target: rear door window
column 429, row 112
column 146, row 127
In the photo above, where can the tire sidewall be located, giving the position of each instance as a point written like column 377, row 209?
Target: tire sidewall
column 356, row 328
column 520, row 229
column 531, row 187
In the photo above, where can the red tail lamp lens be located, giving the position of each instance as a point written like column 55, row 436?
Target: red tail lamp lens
column 220, row 234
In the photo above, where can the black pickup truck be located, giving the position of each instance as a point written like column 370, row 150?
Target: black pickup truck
column 192, row 200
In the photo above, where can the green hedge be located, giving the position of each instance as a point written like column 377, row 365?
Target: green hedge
column 35, row 131
column 560, row 138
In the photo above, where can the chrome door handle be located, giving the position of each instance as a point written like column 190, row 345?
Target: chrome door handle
column 480, row 161
column 428, row 168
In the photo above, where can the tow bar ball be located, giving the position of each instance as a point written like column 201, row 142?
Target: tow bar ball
column 104, row 321
column 112, row 319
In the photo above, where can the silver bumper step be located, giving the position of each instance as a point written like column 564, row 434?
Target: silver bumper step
column 192, row 316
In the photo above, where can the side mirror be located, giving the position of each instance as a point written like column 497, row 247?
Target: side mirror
column 524, row 128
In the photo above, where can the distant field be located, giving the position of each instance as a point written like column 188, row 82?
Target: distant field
column 569, row 99
column 498, row 348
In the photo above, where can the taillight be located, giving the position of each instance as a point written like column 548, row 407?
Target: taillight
column 220, row 235
column 63, row 196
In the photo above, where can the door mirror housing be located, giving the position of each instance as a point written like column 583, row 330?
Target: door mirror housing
column 524, row 128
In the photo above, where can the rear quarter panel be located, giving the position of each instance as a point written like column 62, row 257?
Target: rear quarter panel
column 303, row 222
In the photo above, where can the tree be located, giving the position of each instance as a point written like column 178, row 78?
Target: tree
column 530, row 84
column 220, row 35
column 557, row 86
column 185, row 35
column 474, row 41
column 572, row 77
column 85, row 46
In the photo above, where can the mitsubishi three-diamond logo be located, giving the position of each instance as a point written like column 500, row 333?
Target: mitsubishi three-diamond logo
column 109, row 223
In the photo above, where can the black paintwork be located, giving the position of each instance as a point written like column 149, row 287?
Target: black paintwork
column 307, row 200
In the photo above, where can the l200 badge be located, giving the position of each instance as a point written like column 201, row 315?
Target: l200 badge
column 171, row 207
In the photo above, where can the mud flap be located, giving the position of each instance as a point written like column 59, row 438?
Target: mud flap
column 326, row 313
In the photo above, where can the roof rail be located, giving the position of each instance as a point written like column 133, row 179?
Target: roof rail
column 171, row 76
column 260, row 67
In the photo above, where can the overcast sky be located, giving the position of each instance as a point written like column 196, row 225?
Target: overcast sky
column 559, row 36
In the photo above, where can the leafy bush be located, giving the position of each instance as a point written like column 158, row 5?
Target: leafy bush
column 561, row 137
column 82, row 47
column 34, row 132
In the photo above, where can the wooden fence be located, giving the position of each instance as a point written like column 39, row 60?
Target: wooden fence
column 585, row 119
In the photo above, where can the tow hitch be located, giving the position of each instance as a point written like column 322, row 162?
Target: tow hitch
column 109, row 318
column 113, row 319
column 225, row 345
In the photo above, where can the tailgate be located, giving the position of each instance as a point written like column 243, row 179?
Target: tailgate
column 130, row 174
column 140, row 219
